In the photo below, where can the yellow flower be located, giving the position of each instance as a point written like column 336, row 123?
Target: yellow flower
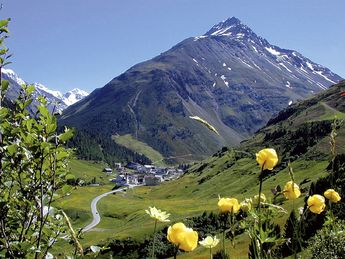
column 316, row 203
column 290, row 191
column 267, row 158
column 246, row 205
column 183, row 237
column 229, row 205
column 159, row 215
column 332, row 195
column 209, row 242
column 256, row 198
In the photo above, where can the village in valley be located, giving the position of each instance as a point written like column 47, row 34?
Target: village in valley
column 137, row 174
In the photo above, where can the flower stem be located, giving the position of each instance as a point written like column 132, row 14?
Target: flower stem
column 295, row 233
column 225, row 219
column 260, row 187
column 259, row 206
column 232, row 229
column 176, row 250
column 224, row 240
column 210, row 253
column 154, row 240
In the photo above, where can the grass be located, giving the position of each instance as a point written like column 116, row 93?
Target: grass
column 331, row 113
column 77, row 204
column 88, row 170
column 140, row 147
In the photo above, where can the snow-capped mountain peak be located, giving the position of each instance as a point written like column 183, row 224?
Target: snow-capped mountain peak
column 230, row 27
column 56, row 100
column 78, row 91
column 258, row 54
column 11, row 74
column 43, row 89
column 74, row 96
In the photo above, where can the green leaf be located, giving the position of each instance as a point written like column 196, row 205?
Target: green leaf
column 4, row 85
column 62, row 155
column 30, row 89
column 3, row 252
column 66, row 135
column 5, row 30
column 3, row 51
column 69, row 177
column 6, row 63
column 4, row 23
column 51, row 128
column 12, row 149
column 43, row 111
column 42, row 100
column 27, row 103
column 3, row 112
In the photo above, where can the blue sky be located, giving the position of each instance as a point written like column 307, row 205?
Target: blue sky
column 85, row 43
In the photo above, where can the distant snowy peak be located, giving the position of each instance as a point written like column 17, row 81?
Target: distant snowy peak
column 12, row 75
column 44, row 90
column 74, row 96
column 54, row 98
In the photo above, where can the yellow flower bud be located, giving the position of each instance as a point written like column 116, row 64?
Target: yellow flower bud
column 246, row 205
column 256, row 198
column 228, row 205
column 290, row 191
column 332, row 195
column 183, row 237
column 267, row 158
column 316, row 203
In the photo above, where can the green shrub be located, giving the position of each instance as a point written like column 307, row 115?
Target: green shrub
column 329, row 242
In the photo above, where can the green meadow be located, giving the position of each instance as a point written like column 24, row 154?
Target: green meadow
column 140, row 147
column 123, row 214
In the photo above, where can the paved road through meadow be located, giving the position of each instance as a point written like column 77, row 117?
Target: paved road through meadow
column 96, row 217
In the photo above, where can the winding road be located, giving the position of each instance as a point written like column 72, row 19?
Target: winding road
column 96, row 217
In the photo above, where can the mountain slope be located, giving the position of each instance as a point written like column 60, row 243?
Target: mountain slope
column 229, row 76
column 56, row 100
column 300, row 134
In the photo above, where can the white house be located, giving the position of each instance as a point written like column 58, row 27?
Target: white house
column 108, row 170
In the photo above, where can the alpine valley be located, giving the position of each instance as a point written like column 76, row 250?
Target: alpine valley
column 231, row 77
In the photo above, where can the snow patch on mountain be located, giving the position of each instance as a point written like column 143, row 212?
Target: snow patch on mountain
column 325, row 77
column 272, row 51
column 288, row 84
column 224, row 80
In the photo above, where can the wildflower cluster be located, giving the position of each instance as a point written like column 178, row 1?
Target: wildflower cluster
column 260, row 229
